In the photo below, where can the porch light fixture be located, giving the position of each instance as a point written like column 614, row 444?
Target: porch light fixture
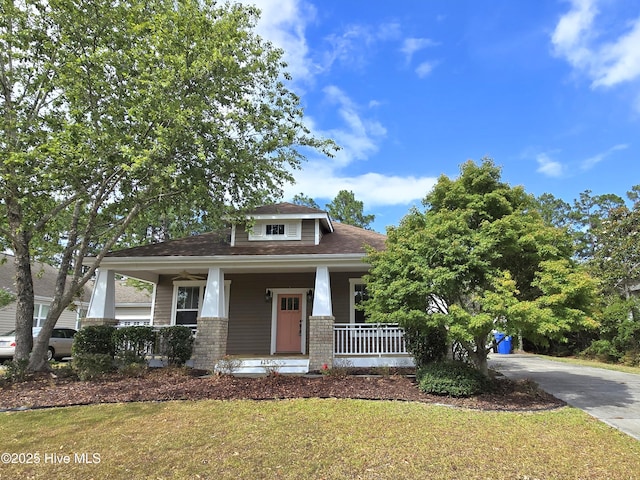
column 309, row 295
column 268, row 296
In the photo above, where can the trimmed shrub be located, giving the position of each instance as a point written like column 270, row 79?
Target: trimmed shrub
column 454, row 379
column 132, row 344
column 426, row 343
column 176, row 343
column 92, row 365
column 94, row 339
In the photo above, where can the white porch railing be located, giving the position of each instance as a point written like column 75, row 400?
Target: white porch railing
column 354, row 339
column 146, row 323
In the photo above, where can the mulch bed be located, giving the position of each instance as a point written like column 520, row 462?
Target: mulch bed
column 43, row 390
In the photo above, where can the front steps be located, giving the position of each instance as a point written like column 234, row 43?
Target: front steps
column 263, row 366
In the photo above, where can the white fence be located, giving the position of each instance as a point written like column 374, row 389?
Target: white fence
column 368, row 339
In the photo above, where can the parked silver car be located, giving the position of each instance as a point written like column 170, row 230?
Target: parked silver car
column 59, row 343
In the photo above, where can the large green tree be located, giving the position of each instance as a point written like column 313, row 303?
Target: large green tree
column 478, row 259
column 616, row 264
column 114, row 113
column 304, row 200
column 346, row 209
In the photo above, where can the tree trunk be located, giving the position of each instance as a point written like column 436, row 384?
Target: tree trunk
column 479, row 356
column 24, row 303
column 38, row 361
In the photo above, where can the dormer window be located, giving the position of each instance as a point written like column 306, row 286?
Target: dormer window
column 275, row 229
column 287, row 230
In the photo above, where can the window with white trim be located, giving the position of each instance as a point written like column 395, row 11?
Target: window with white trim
column 267, row 231
column 357, row 294
column 40, row 312
column 187, row 301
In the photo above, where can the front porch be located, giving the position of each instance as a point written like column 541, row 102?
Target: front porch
column 266, row 317
column 353, row 345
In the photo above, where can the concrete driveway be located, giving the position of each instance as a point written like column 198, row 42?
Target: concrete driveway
column 612, row 397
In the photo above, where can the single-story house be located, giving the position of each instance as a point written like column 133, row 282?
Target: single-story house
column 283, row 284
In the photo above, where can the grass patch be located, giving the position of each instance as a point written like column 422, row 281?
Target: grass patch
column 594, row 363
column 313, row 438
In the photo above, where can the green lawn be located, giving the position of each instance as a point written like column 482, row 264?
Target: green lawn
column 313, row 439
column 594, row 363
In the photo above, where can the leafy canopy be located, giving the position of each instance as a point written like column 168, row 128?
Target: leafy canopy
column 479, row 258
column 120, row 116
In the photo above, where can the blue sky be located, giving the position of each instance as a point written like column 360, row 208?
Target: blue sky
column 550, row 89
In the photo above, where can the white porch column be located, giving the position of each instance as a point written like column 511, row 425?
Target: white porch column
column 213, row 324
column 321, row 323
column 102, row 306
column 213, row 303
column 322, row 306
column 103, row 297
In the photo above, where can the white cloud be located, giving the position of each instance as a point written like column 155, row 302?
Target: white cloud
column 424, row 69
column 621, row 59
column 549, row 167
column 359, row 136
column 321, row 181
column 283, row 22
column 594, row 160
column 412, row 45
column 354, row 45
column 578, row 39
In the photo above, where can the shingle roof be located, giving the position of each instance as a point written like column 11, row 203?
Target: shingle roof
column 285, row 208
column 44, row 278
column 127, row 293
column 345, row 239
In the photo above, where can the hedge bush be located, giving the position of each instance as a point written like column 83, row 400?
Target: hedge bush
column 426, row 343
column 132, row 344
column 103, row 348
column 176, row 343
column 89, row 366
column 94, row 339
column 455, row 379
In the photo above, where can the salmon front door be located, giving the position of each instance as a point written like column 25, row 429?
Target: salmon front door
column 289, row 324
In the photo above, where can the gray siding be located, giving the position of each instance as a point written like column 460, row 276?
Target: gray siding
column 340, row 294
column 163, row 300
column 309, row 232
column 8, row 318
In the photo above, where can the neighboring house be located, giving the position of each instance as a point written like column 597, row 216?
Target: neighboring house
column 287, row 287
column 132, row 307
column 44, row 278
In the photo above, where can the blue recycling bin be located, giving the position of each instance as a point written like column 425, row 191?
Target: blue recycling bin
column 504, row 346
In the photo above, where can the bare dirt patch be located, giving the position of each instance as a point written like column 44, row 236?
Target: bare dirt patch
column 43, row 390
